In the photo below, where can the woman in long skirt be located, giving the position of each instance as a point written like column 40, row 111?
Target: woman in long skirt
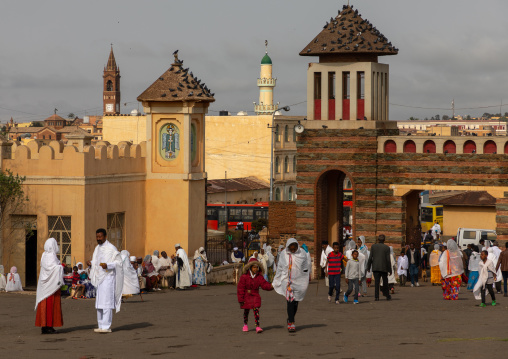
column 435, row 272
column 200, row 264
column 451, row 268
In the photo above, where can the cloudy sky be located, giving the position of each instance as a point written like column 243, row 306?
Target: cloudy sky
column 53, row 52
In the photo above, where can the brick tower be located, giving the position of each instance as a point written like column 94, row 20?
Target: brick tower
column 111, row 96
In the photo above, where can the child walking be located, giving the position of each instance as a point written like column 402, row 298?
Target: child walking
column 248, row 292
column 486, row 279
column 334, row 270
column 402, row 267
column 353, row 274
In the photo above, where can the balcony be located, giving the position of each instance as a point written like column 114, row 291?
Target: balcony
column 267, row 82
column 265, row 109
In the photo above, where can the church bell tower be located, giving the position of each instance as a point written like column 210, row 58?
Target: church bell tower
column 111, row 95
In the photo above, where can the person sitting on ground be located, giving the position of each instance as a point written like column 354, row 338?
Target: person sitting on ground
column 402, row 266
column 152, row 277
column 3, row 282
column 139, row 272
column 130, row 276
column 78, row 289
column 486, row 279
column 237, row 256
column 166, row 270
column 248, row 292
column 13, row 281
column 353, row 275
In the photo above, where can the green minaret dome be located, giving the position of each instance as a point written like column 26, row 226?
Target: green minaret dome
column 266, row 60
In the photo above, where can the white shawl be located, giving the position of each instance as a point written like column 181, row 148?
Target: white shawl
column 324, row 255
column 484, row 269
column 494, row 258
column 51, row 274
column 299, row 272
column 181, row 254
column 450, row 262
column 130, row 276
column 402, row 265
column 97, row 274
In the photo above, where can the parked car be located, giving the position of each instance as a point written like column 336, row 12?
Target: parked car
column 467, row 236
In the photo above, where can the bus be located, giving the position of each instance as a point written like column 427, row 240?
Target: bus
column 245, row 213
column 347, row 207
column 429, row 213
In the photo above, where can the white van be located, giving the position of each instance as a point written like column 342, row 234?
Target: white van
column 467, row 236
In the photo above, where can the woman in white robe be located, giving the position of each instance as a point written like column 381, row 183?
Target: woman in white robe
column 292, row 278
column 402, row 267
column 200, row 266
column 130, row 276
column 182, row 269
column 3, row 282
column 364, row 250
column 13, row 281
column 494, row 258
column 452, row 267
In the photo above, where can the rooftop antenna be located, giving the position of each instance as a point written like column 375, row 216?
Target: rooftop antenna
column 453, row 108
column 266, row 46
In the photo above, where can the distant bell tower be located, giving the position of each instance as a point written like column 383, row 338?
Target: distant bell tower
column 111, row 96
column 266, row 85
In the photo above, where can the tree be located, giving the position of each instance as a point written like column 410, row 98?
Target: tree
column 71, row 115
column 437, row 118
column 259, row 223
column 36, row 124
column 12, row 200
column 446, row 117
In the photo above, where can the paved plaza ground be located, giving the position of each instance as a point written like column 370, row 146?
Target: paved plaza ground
column 206, row 323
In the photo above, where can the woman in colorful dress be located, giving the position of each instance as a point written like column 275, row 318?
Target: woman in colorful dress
column 451, row 268
column 435, row 272
column 200, row 264
column 474, row 268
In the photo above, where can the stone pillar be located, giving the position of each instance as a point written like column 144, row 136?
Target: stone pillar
column 324, row 95
column 353, row 92
column 502, row 218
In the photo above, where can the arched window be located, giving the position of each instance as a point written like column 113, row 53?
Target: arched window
column 294, row 134
column 286, row 164
column 277, row 194
column 286, row 133
column 449, row 147
column 390, row 146
column 290, row 194
column 109, row 85
column 277, row 164
column 294, row 164
column 470, row 147
column 490, row 147
column 409, row 147
column 429, row 147
column 277, row 139
column 506, row 148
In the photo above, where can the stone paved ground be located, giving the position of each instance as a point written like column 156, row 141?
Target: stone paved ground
column 206, row 323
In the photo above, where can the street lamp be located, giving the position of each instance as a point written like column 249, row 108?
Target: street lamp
column 272, row 127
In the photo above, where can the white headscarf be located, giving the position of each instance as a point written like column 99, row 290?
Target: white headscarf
column 450, row 262
column 80, row 270
column 197, row 254
column 492, row 256
column 299, row 274
column 130, row 276
column 51, row 274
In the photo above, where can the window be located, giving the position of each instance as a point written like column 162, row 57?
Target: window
column 331, row 85
column 109, row 86
column 439, row 211
column 294, row 134
column 294, row 164
column 277, row 139
column 116, row 223
column 59, row 227
column 469, row 235
column 277, row 194
column 276, row 164
column 286, row 133
column 360, row 85
column 346, row 86
column 390, row 146
column 286, row 164
column 426, row 214
column 290, row 194
column 317, row 85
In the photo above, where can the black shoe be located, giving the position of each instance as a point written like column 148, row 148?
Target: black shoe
column 52, row 330
column 45, row 330
column 389, row 297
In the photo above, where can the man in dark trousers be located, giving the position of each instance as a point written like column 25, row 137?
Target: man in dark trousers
column 380, row 262
column 414, row 258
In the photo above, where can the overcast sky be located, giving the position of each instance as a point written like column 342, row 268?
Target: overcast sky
column 53, row 52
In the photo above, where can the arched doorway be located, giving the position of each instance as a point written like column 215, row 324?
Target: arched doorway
column 409, row 147
column 449, row 147
column 490, row 147
column 470, row 147
column 390, row 146
column 329, row 221
column 429, row 147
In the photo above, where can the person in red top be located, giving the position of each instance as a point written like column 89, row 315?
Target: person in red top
column 248, row 291
column 334, row 265
column 78, row 288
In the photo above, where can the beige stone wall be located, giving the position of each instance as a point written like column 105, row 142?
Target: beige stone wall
column 468, row 217
column 124, row 128
column 239, row 145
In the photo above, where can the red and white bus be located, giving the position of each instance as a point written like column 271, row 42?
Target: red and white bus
column 246, row 213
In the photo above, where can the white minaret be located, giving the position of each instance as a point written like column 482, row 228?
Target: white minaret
column 266, row 85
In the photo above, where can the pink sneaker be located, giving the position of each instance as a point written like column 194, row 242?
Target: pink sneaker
column 245, row 328
column 259, row 330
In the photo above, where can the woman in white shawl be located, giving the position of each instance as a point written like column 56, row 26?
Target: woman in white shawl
column 363, row 249
column 266, row 253
column 451, row 267
column 200, row 265
column 474, row 268
column 182, row 269
column 487, row 276
column 13, row 281
column 130, row 276
column 402, row 267
column 48, row 304
column 292, row 278
column 3, row 282
column 499, row 275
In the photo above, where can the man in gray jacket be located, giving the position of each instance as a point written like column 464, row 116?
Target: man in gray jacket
column 380, row 263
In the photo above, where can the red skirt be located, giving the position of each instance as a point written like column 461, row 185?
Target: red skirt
column 49, row 312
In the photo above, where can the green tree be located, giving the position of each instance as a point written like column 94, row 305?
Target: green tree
column 12, row 200
column 36, row 124
column 446, row 117
column 259, row 223
column 71, row 115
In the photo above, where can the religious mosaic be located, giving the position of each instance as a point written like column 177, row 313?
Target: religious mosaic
column 169, row 140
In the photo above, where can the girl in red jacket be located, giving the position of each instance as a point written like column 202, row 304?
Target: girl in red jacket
column 248, row 291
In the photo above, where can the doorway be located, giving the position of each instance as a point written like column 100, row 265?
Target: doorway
column 31, row 258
